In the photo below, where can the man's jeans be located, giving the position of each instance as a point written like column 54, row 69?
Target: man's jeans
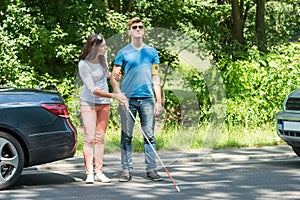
column 145, row 108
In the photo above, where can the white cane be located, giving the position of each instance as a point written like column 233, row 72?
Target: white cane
column 175, row 185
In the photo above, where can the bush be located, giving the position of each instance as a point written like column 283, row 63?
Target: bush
column 257, row 86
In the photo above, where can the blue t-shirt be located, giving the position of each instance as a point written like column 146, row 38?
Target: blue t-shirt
column 137, row 67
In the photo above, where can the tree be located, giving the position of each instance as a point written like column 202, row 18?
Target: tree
column 260, row 25
column 239, row 17
column 237, row 28
column 119, row 6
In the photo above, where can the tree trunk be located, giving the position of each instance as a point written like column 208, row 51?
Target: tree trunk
column 260, row 25
column 237, row 28
column 117, row 5
column 127, row 6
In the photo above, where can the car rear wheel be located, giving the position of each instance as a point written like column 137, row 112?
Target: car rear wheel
column 296, row 150
column 11, row 160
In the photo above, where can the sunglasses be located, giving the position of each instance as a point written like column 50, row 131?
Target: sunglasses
column 135, row 27
column 99, row 37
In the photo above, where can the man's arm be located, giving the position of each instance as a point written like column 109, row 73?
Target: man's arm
column 157, row 88
column 157, row 91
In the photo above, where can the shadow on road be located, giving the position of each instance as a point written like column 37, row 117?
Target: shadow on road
column 34, row 177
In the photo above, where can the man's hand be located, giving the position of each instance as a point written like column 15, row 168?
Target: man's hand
column 117, row 76
column 157, row 109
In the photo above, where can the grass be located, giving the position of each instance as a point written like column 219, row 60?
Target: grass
column 189, row 138
column 248, row 137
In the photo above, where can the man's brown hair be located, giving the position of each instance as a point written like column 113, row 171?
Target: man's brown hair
column 133, row 20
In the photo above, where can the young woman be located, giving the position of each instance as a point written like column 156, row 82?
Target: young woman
column 95, row 104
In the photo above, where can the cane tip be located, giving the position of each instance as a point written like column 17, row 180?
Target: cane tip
column 177, row 188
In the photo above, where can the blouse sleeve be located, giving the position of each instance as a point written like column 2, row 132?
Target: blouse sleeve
column 86, row 76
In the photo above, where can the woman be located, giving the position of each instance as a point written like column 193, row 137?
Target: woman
column 95, row 104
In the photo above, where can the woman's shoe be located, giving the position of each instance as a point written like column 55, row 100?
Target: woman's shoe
column 89, row 179
column 102, row 178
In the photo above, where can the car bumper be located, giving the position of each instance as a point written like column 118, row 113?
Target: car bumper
column 58, row 142
column 288, row 127
column 54, row 152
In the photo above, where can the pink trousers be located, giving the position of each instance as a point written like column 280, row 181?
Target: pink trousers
column 95, row 121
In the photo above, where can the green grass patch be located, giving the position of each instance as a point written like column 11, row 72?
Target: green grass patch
column 239, row 136
column 174, row 138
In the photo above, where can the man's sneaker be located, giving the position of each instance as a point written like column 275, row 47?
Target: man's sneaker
column 125, row 176
column 102, row 178
column 89, row 179
column 154, row 176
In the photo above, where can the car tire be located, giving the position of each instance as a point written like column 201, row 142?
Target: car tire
column 296, row 150
column 11, row 160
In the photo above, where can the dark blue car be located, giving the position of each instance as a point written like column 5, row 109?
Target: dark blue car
column 35, row 128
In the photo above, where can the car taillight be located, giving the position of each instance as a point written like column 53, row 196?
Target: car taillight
column 59, row 110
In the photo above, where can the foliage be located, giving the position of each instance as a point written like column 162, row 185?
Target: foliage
column 39, row 45
column 283, row 20
column 42, row 40
column 39, row 37
column 257, row 86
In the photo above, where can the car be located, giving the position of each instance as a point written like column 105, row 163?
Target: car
column 35, row 128
column 288, row 121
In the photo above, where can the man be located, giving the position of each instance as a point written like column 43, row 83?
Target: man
column 139, row 63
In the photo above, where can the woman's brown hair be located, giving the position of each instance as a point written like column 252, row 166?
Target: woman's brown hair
column 91, row 42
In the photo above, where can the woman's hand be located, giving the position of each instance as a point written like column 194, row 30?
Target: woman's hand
column 122, row 98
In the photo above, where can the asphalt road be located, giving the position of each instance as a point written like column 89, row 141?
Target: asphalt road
column 248, row 173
